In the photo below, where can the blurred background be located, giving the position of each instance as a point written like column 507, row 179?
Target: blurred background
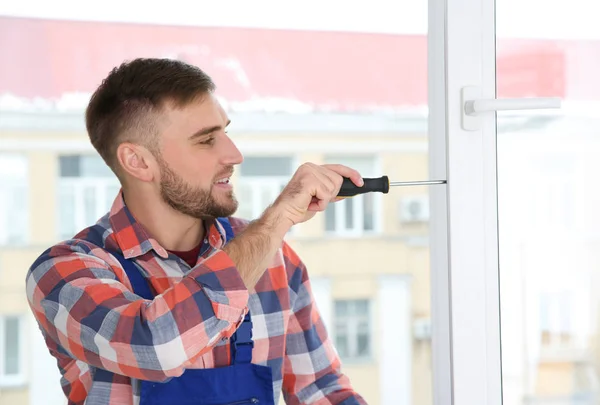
column 329, row 90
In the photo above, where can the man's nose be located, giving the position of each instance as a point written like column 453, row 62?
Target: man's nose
column 232, row 155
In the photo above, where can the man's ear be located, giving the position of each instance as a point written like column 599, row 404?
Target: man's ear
column 136, row 161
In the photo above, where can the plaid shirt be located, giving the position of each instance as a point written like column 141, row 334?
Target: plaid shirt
column 106, row 338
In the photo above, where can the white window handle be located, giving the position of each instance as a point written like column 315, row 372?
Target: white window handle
column 474, row 105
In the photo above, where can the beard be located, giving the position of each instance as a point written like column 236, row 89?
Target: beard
column 193, row 201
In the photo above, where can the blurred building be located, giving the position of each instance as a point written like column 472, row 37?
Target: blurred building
column 356, row 99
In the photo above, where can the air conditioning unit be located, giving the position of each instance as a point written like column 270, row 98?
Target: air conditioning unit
column 422, row 329
column 414, row 209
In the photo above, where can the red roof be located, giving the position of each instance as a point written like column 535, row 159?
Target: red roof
column 348, row 71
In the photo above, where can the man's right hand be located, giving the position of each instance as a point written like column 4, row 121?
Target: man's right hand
column 310, row 190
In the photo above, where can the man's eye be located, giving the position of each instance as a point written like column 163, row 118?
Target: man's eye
column 209, row 141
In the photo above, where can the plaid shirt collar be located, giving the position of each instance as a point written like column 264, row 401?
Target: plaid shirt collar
column 134, row 240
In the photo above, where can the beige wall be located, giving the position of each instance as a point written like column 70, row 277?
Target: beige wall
column 14, row 396
column 43, row 174
column 14, row 264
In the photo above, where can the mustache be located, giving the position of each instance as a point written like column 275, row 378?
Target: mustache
column 227, row 173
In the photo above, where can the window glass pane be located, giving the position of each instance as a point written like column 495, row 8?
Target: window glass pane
column 13, row 166
column 350, row 89
column 341, row 342
column 267, row 196
column 14, row 206
column 548, row 196
column 261, row 180
column 17, row 214
column 341, row 308
column 112, row 192
column 89, row 204
column 353, row 328
column 369, row 212
column 87, row 189
column 11, row 346
column 349, row 205
column 94, row 166
column 361, row 307
column 244, row 196
column 66, row 211
column 365, row 165
column 330, row 217
column 266, row 166
column 362, row 347
column 69, row 166
column 83, row 166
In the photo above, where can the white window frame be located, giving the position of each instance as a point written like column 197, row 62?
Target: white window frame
column 19, row 379
column 464, row 231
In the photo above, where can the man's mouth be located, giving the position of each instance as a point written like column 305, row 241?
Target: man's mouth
column 224, row 180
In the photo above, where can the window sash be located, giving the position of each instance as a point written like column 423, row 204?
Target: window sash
column 463, row 227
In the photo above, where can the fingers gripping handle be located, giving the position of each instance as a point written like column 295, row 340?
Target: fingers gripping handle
column 379, row 184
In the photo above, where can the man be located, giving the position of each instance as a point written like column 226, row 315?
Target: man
column 168, row 299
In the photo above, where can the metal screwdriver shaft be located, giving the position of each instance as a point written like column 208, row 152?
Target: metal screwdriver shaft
column 416, row 183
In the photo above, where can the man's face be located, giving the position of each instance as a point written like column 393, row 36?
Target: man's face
column 197, row 159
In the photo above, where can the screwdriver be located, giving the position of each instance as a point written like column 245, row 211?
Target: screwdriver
column 378, row 185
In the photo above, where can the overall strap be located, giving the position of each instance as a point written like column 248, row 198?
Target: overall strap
column 241, row 341
column 228, row 229
column 138, row 282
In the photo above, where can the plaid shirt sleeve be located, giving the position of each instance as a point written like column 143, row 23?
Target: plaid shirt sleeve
column 312, row 374
column 82, row 301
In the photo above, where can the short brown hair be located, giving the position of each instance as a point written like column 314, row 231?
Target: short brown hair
column 122, row 107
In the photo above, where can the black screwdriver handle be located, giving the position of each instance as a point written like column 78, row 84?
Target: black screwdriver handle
column 379, row 184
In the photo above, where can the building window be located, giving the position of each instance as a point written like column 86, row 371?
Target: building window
column 356, row 215
column 261, row 180
column 353, row 329
column 14, row 207
column 556, row 324
column 86, row 191
column 12, row 362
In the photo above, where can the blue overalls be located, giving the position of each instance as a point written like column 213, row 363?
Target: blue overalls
column 240, row 383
